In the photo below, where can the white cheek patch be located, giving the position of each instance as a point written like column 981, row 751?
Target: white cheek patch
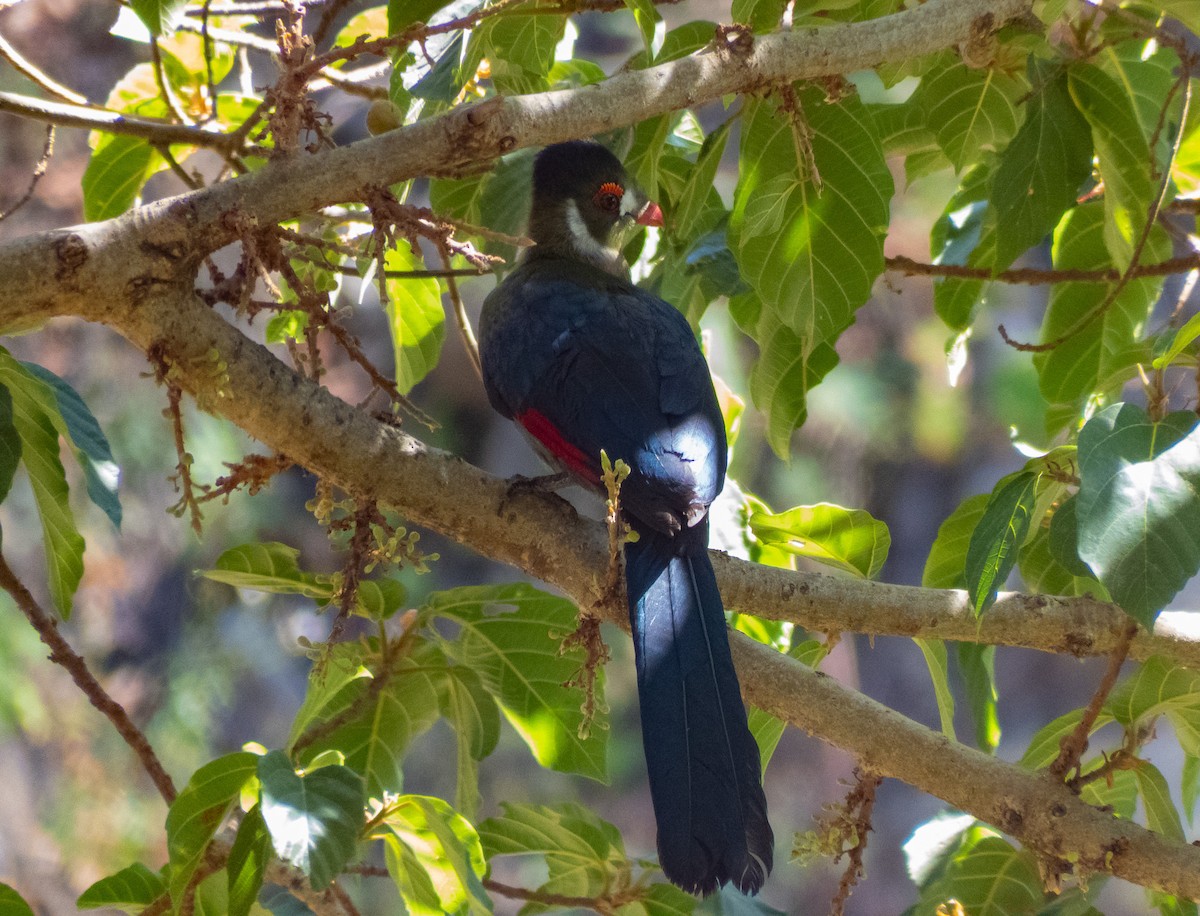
column 584, row 242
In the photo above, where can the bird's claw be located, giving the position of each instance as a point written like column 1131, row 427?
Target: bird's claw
column 519, row 484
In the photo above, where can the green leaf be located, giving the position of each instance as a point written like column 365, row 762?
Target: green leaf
column 1190, row 785
column 1180, row 341
column 314, row 819
column 1064, row 537
column 947, row 562
column 1121, row 796
column 934, row 651
column 1158, row 688
column 416, row 318
column 760, row 15
column 645, row 14
column 933, row 843
column 1123, row 155
column 472, row 712
column 1040, row 171
column 846, row 539
column 12, row 903
column 446, row 78
column 403, row 13
column 248, row 858
column 1138, row 506
column 10, row 443
column 34, row 415
column 787, row 369
column 268, row 567
column 688, row 219
column 667, row 900
column 131, row 890
column 767, row 731
column 1043, row 749
column 200, row 810
column 988, row 877
column 159, row 16
column 584, row 854
column 1161, row 816
column 964, row 235
column 445, row 847
column 1186, row 11
column 977, row 664
column 384, row 722
column 520, row 50
column 1097, row 353
column 517, row 655
column 970, row 109
column 809, row 235
column 81, row 428
column 994, row 542
column 116, row 172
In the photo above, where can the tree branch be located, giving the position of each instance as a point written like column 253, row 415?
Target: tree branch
column 112, row 122
column 136, row 275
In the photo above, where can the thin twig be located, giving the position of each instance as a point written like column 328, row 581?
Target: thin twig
column 606, row 904
column 38, row 171
column 164, row 87
column 23, row 66
column 1033, row 276
column 859, row 804
column 113, row 122
column 62, row 654
column 460, row 315
column 1074, row 744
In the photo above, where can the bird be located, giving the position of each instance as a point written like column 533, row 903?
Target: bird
column 584, row 360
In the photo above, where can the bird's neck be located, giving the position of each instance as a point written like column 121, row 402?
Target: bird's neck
column 560, row 232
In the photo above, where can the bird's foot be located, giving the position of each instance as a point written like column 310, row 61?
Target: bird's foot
column 519, row 485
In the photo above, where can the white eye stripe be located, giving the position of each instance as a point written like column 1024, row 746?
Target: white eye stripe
column 629, row 203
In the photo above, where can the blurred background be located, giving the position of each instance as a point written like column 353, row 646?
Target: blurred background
column 205, row 670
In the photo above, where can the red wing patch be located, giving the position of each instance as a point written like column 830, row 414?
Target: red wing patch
column 572, row 458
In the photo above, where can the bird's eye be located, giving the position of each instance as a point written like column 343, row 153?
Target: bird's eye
column 608, row 198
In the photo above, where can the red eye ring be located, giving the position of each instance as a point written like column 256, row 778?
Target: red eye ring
column 608, row 197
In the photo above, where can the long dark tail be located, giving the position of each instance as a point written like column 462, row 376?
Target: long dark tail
column 705, row 773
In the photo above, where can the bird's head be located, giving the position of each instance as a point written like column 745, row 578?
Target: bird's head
column 585, row 206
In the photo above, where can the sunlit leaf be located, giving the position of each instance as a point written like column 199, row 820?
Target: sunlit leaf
column 382, row 723
column 446, row 848
column 847, row 539
column 34, row 413
column 1040, row 171
column 970, row 109
column 1138, row 506
column 268, row 567
column 934, row 651
column 248, row 858
column 10, row 443
column 583, row 853
column 511, row 637
column 416, row 318
column 1122, row 153
column 12, row 903
column 131, row 890
column 314, row 819
column 200, row 810
column 117, row 171
column 82, row 430
column 1095, row 353
column 994, row 542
